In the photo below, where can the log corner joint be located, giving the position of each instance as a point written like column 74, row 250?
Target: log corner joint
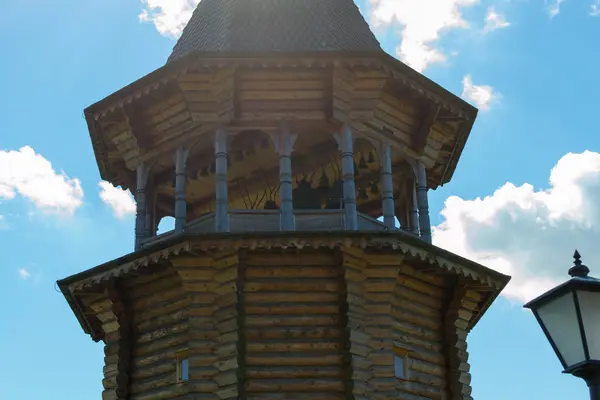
column 124, row 338
column 457, row 318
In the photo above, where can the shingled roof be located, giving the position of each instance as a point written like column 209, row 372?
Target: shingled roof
column 275, row 26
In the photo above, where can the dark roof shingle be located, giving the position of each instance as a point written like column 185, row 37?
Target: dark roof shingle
column 275, row 26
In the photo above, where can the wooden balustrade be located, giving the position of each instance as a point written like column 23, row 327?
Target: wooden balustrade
column 270, row 221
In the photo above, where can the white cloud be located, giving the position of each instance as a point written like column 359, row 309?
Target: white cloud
column 595, row 9
column 527, row 233
column 494, row 21
column 24, row 274
column 31, row 176
column 118, row 199
column 553, row 8
column 168, row 16
column 422, row 22
column 482, row 96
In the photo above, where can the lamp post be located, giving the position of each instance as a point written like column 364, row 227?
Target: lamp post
column 569, row 315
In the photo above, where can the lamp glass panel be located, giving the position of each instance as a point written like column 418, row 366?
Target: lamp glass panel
column 560, row 319
column 589, row 304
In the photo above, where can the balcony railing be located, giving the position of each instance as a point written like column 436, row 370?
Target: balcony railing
column 269, row 221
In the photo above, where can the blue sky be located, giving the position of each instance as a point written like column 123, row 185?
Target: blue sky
column 526, row 192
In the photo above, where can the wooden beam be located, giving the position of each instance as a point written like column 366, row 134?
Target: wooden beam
column 237, row 102
column 328, row 82
column 450, row 118
column 421, row 136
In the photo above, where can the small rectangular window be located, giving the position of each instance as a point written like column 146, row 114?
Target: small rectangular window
column 184, row 372
column 401, row 362
column 182, row 367
column 400, row 367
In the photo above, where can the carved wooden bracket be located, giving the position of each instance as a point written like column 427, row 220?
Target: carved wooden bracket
column 421, row 136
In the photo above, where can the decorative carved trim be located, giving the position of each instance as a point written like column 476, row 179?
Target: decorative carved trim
column 397, row 241
column 397, row 244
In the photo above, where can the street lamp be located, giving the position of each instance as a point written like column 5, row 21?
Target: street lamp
column 569, row 315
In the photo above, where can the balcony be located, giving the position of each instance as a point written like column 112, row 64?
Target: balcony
column 244, row 221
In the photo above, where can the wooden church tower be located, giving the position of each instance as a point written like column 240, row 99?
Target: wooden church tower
column 285, row 143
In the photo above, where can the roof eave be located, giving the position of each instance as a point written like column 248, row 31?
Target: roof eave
column 178, row 66
column 434, row 87
column 461, row 141
column 96, row 138
column 433, row 252
column 469, row 111
column 78, row 311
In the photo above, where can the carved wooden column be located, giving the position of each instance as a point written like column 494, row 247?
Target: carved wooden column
column 285, row 144
column 413, row 210
column 140, row 198
column 423, row 202
column 346, row 146
column 150, row 222
column 387, row 186
column 180, row 189
column 222, row 198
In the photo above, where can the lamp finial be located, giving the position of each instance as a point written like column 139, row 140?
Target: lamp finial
column 578, row 270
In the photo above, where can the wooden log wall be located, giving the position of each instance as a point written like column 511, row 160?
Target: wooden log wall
column 199, row 92
column 160, row 317
column 380, row 274
column 354, row 268
column 293, row 327
column 271, row 324
column 396, row 306
column 418, row 324
column 228, row 322
column 368, row 85
column 211, row 286
column 343, row 93
column 274, row 95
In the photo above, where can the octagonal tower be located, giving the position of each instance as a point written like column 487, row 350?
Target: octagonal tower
column 286, row 144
